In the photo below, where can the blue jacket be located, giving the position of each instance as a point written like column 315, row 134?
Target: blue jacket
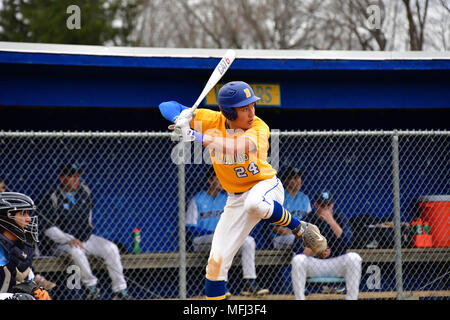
column 15, row 256
column 70, row 213
column 299, row 206
column 203, row 213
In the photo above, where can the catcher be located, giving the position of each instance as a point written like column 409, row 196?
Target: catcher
column 18, row 233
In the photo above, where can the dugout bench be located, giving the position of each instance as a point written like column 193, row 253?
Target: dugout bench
column 155, row 260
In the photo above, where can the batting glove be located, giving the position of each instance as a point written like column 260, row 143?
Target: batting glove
column 188, row 114
column 182, row 123
column 184, row 118
column 185, row 133
column 188, row 135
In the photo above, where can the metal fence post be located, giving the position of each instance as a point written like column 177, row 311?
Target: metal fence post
column 182, row 226
column 397, row 222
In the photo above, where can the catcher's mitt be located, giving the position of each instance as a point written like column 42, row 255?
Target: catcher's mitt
column 31, row 288
column 311, row 237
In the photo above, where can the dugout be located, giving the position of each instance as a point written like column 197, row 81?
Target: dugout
column 301, row 90
column 47, row 87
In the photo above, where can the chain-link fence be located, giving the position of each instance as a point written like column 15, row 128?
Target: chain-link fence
column 391, row 190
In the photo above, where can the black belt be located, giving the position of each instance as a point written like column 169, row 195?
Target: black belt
column 236, row 193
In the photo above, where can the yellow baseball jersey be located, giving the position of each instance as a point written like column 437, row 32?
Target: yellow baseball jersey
column 237, row 172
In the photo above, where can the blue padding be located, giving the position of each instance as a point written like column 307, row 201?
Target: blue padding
column 178, row 63
column 325, row 280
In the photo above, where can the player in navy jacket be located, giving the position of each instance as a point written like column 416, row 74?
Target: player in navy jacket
column 336, row 262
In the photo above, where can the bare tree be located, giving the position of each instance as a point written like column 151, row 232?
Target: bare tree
column 416, row 15
column 445, row 5
column 437, row 33
column 294, row 24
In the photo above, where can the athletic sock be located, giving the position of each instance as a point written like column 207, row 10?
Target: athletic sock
column 280, row 216
column 215, row 290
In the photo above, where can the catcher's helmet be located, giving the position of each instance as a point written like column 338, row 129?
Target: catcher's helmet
column 11, row 202
column 233, row 95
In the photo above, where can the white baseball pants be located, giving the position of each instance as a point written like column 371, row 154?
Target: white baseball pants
column 99, row 247
column 241, row 213
column 347, row 265
column 203, row 243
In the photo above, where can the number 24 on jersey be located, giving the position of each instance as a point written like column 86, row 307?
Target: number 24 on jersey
column 242, row 173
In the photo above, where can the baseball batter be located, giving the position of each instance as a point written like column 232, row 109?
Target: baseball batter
column 238, row 142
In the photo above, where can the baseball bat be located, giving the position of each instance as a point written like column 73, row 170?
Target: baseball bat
column 222, row 67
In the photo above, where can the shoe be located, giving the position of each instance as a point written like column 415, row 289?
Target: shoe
column 298, row 232
column 42, row 282
column 251, row 288
column 92, row 293
column 121, row 295
column 333, row 289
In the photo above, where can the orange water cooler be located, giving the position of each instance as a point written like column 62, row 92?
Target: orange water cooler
column 436, row 211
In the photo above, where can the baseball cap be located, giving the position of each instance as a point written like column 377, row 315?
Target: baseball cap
column 70, row 169
column 290, row 172
column 323, row 198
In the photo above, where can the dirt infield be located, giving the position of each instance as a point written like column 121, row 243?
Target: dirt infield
column 408, row 295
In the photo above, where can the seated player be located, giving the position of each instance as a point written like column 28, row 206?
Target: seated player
column 335, row 262
column 68, row 229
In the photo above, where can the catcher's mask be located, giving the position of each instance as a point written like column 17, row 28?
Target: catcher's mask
column 10, row 204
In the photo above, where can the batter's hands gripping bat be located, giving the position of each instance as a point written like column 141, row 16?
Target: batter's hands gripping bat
column 216, row 75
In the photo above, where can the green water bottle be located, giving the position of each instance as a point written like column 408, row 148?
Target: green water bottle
column 419, row 227
column 136, row 241
column 426, row 227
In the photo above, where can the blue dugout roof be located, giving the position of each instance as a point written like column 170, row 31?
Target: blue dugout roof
column 96, row 76
column 187, row 58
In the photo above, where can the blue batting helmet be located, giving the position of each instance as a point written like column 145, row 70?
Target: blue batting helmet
column 235, row 94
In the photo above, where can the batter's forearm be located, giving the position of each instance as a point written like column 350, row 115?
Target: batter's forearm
column 228, row 145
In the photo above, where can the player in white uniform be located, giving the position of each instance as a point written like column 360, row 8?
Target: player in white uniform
column 203, row 214
column 238, row 143
column 67, row 221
